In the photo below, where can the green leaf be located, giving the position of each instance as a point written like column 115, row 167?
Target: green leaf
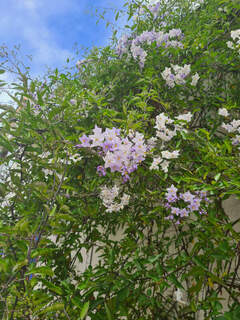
column 199, row 263
column 117, row 15
column 41, row 270
column 84, row 310
column 52, row 287
column 217, row 176
column 20, row 264
column 53, row 308
column 109, row 315
column 6, row 143
column 174, row 280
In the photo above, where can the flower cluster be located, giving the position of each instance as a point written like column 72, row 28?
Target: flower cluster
column 235, row 35
column 160, row 38
column 176, row 75
column 109, row 195
column 154, row 9
column 123, row 44
column 233, row 127
column 119, row 154
column 166, row 134
column 184, row 203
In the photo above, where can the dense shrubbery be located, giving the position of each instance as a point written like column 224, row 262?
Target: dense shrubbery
column 143, row 139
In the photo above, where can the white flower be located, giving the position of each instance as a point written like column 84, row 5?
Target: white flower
column 195, row 79
column 164, row 165
column 108, row 196
column 223, row 112
column 235, row 124
column 75, row 158
column 152, row 142
column 178, row 295
column 227, row 127
column 186, row 117
column 170, row 155
column 235, row 34
column 125, row 199
column 154, row 165
column 230, row 45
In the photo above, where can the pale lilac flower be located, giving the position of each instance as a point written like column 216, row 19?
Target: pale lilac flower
column 171, row 197
column 172, row 190
column 175, row 211
column 202, row 193
column 184, row 213
column 236, row 140
column 170, row 217
column 73, row 101
column 194, row 206
column 167, row 205
column 106, row 146
column 187, row 196
column 175, row 33
column 84, row 141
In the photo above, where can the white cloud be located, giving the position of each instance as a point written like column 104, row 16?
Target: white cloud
column 32, row 24
column 27, row 22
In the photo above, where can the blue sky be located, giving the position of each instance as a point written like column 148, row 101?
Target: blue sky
column 48, row 29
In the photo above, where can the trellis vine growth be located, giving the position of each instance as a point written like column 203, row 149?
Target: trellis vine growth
column 144, row 138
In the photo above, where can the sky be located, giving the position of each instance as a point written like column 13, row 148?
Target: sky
column 48, row 30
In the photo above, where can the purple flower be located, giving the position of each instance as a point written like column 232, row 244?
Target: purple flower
column 172, row 190
column 126, row 177
column 167, row 205
column 117, row 131
column 107, row 146
column 85, row 141
column 184, row 213
column 165, row 37
column 194, row 206
column 171, row 197
column 101, row 171
column 175, row 211
column 183, row 75
column 171, row 217
column 187, row 196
